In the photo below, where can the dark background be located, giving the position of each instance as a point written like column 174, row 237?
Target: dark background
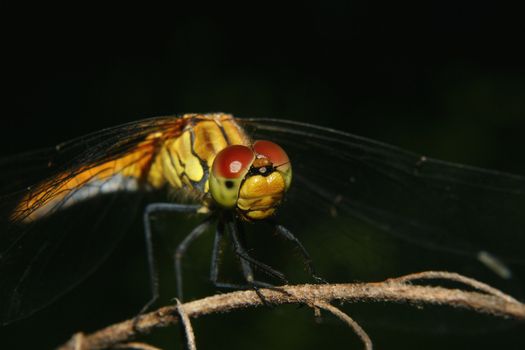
column 443, row 80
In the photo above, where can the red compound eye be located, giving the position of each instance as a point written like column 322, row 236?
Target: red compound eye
column 272, row 151
column 233, row 162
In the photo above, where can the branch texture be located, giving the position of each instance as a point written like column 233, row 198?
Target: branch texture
column 484, row 299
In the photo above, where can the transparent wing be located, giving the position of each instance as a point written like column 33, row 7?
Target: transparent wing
column 41, row 259
column 381, row 211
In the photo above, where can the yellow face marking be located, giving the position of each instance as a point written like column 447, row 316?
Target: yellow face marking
column 259, row 214
column 259, row 195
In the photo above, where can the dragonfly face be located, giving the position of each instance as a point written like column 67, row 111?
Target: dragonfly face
column 252, row 180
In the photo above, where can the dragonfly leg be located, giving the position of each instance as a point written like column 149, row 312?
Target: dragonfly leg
column 216, row 257
column 215, row 263
column 246, row 260
column 216, row 260
column 181, row 250
column 283, row 231
column 153, row 273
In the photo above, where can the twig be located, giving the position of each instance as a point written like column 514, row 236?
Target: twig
column 186, row 324
column 456, row 277
column 488, row 301
column 349, row 321
column 135, row 346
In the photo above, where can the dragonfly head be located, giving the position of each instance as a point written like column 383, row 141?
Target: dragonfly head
column 251, row 179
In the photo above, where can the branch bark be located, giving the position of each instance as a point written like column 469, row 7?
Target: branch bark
column 485, row 300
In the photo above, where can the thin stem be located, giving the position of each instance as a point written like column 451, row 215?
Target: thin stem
column 367, row 342
column 452, row 276
column 188, row 329
column 392, row 290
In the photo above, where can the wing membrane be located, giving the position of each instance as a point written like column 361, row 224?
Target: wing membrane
column 436, row 212
column 42, row 256
column 385, row 210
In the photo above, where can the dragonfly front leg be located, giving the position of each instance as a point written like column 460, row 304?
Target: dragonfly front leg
column 245, row 265
column 246, row 260
column 283, row 231
column 153, row 273
column 216, row 260
column 181, row 250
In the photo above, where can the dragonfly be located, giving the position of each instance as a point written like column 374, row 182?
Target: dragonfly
column 379, row 209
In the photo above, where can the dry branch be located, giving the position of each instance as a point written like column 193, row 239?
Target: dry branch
column 399, row 290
